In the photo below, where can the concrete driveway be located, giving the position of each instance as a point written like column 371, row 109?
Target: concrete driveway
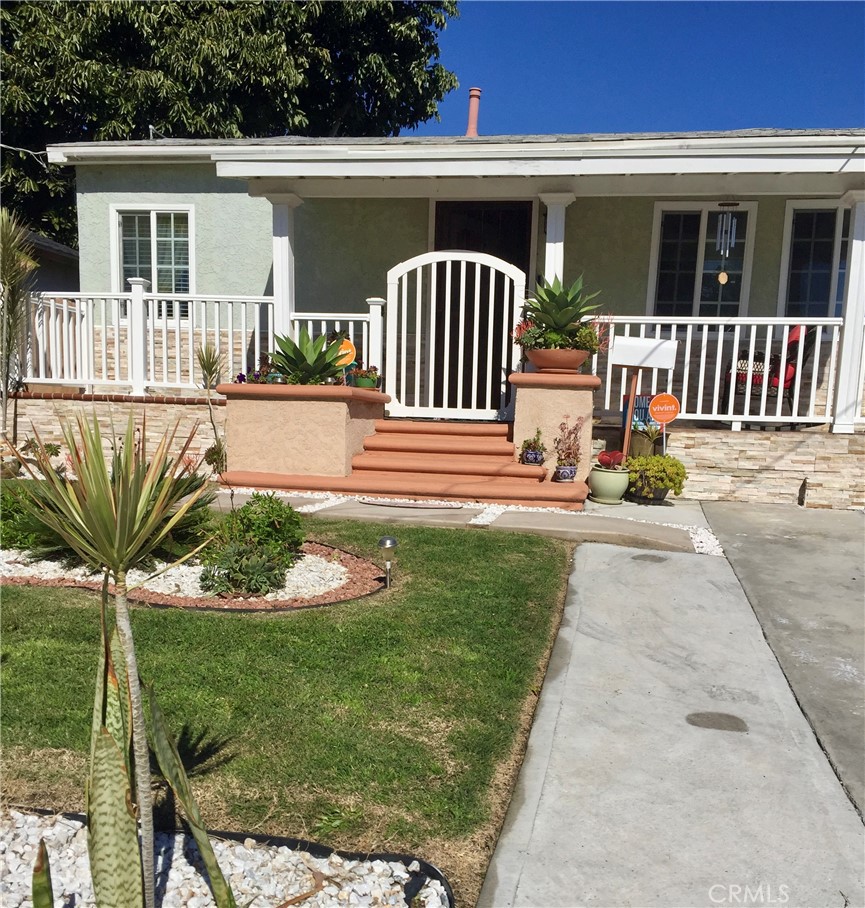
column 670, row 763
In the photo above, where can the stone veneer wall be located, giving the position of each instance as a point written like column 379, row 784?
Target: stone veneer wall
column 810, row 466
column 45, row 410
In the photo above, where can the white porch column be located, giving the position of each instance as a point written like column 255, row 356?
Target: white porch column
column 554, row 258
column 283, row 260
column 848, row 399
column 136, row 338
column 375, row 354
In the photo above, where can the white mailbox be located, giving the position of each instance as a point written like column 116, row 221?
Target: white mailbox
column 643, row 352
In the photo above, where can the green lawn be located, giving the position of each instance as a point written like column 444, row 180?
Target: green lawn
column 381, row 723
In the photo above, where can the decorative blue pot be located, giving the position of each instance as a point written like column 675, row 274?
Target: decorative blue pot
column 533, row 457
column 564, row 474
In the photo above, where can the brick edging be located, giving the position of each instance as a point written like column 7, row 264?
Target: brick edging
column 118, row 398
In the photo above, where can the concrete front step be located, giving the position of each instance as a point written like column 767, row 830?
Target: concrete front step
column 449, row 464
column 439, row 444
column 441, row 427
column 482, row 489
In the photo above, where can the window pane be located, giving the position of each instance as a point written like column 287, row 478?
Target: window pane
column 164, row 252
column 677, row 262
column 809, row 278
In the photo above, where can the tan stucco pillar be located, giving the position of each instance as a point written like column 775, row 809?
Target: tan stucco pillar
column 544, row 400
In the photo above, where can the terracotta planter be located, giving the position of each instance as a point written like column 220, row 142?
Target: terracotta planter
column 557, row 360
column 607, row 486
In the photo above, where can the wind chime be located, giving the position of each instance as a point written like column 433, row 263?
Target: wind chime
column 725, row 241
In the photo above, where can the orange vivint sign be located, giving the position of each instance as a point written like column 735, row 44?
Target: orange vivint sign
column 664, row 408
column 346, row 348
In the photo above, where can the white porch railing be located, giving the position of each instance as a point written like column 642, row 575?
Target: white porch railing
column 704, row 378
column 137, row 340
column 134, row 341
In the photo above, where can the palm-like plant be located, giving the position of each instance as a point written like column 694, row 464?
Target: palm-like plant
column 307, row 362
column 114, row 519
column 554, row 317
column 17, row 269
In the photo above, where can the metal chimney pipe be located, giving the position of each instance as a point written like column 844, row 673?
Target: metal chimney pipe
column 474, row 105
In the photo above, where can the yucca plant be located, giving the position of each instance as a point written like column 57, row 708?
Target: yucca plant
column 211, row 363
column 306, row 361
column 17, row 270
column 113, row 518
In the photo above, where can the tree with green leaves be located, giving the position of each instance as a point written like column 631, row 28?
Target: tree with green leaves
column 110, row 70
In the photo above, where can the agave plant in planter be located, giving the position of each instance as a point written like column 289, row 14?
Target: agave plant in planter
column 608, row 479
column 533, row 449
column 306, row 361
column 557, row 331
column 653, row 477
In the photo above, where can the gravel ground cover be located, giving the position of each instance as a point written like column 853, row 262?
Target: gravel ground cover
column 261, row 876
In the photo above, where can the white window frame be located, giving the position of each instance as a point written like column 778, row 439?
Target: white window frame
column 114, row 212
column 704, row 208
column 794, row 205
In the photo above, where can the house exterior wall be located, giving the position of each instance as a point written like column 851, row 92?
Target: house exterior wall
column 345, row 247
column 233, row 232
column 610, row 241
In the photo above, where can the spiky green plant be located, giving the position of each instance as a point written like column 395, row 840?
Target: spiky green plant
column 113, row 518
column 211, row 363
column 17, row 270
column 558, row 311
column 307, row 362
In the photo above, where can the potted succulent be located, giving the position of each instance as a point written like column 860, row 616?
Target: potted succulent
column 567, row 445
column 306, row 361
column 646, row 439
column 363, row 378
column 608, row 479
column 556, row 332
column 533, row 449
column 652, row 477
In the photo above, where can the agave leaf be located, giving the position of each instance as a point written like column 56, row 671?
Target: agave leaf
column 112, row 829
column 43, row 892
column 172, row 768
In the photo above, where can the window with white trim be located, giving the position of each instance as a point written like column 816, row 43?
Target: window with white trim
column 155, row 245
column 701, row 259
column 816, row 260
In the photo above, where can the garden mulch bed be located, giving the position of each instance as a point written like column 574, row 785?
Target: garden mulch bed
column 364, row 578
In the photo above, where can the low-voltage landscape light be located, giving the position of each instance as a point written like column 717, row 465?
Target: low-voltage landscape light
column 388, row 545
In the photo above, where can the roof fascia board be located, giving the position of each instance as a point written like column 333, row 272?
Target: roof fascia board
column 505, row 168
column 774, row 146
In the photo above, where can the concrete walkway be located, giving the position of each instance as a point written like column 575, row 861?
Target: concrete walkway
column 670, row 763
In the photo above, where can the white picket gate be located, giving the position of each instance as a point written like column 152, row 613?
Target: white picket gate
column 448, row 349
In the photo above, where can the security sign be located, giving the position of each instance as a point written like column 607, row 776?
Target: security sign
column 348, row 353
column 664, row 408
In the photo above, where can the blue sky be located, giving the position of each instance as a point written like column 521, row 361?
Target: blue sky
column 572, row 67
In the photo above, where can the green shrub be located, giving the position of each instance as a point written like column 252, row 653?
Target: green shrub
column 242, row 569
column 268, row 525
column 657, row 471
column 17, row 528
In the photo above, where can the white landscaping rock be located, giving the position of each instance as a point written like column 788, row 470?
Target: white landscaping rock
column 260, row 875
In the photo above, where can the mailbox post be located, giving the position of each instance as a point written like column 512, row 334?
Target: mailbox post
column 637, row 353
